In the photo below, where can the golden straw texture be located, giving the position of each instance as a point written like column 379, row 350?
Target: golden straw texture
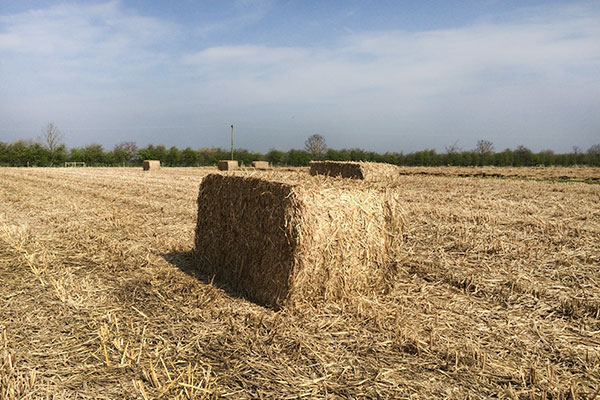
column 260, row 164
column 277, row 242
column 227, row 165
column 151, row 164
column 497, row 294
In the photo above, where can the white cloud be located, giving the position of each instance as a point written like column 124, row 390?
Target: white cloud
column 505, row 79
column 246, row 56
column 473, row 58
column 535, row 75
column 81, row 44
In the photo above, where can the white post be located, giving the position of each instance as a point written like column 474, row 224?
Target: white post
column 232, row 142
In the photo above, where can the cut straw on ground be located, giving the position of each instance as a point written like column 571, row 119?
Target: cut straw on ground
column 495, row 295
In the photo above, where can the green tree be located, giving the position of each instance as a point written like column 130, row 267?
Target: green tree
column 76, row 154
column 189, row 157
column 333, row 155
column 426, row 158
column 125, row 153
column 504, row 158
column 275, row 157
column 243, row 156
column 152, row 152
column 18, row 153
column 147, row 153
column 4, row 159
column 211, row 156
column 546, row 157
column 41, row 156
column 357, row 155
column 160, row 152
column 393, row 158
column 522, row 156
column 173, row 157
column 93, row 154
column 593, row 155
column 484, row 149
column 299, row 158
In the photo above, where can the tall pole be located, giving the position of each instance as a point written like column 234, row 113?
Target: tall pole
column 231, row 142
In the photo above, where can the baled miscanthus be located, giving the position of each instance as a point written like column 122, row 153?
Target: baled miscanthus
column 151, row 165
column 227, row 165
column 260, row 164
column 368, row 171
column 310, row 239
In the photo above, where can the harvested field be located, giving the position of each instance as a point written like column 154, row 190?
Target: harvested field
column 541, row 173
column 497, row 295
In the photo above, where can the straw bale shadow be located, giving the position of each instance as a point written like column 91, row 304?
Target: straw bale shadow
column 184, row 260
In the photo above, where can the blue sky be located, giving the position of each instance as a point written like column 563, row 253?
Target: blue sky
column 380, row 75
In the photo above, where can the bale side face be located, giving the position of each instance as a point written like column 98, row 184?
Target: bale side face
column 150, row 164
column 333, row 168
column 374, row 171
column 368, row 171
column 260, row 164
column 282, row 243
column 243, row 236
column 348, row 237
column 227, row 165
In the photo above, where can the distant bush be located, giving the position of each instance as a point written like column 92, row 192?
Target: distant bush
column 29, row 153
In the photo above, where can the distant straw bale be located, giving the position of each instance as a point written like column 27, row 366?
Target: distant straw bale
column 369, row 171
column 151, row 164
column 227, row 165
column 260, row 164
column 311, row 239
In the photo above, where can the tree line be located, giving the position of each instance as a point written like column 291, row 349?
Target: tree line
column 29, row 153
column 49, row 151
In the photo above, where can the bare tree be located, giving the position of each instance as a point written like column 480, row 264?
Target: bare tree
column 126, row 151
column 453, row 148
column 484, row 147
column 51, row 138
column 594, row 155
column 594, row 150
column 316, row 146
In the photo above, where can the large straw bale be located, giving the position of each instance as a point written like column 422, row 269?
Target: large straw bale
column 151, row 164
column 260, row 164
column 227, row 165
column 280, row 242
column 369, row 171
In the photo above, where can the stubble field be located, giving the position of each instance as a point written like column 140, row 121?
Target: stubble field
column 497, row 295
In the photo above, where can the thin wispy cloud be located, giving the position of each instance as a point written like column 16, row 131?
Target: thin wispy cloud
column 234, row 18
column 70, row 41
column 513, row 81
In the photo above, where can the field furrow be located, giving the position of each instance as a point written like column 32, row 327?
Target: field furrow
column 497, row 295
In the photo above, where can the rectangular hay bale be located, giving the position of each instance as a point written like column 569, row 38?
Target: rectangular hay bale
column 260, row 164
column 279, row 243
column 151, row 164
column 227, row 165
column 369, row 171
